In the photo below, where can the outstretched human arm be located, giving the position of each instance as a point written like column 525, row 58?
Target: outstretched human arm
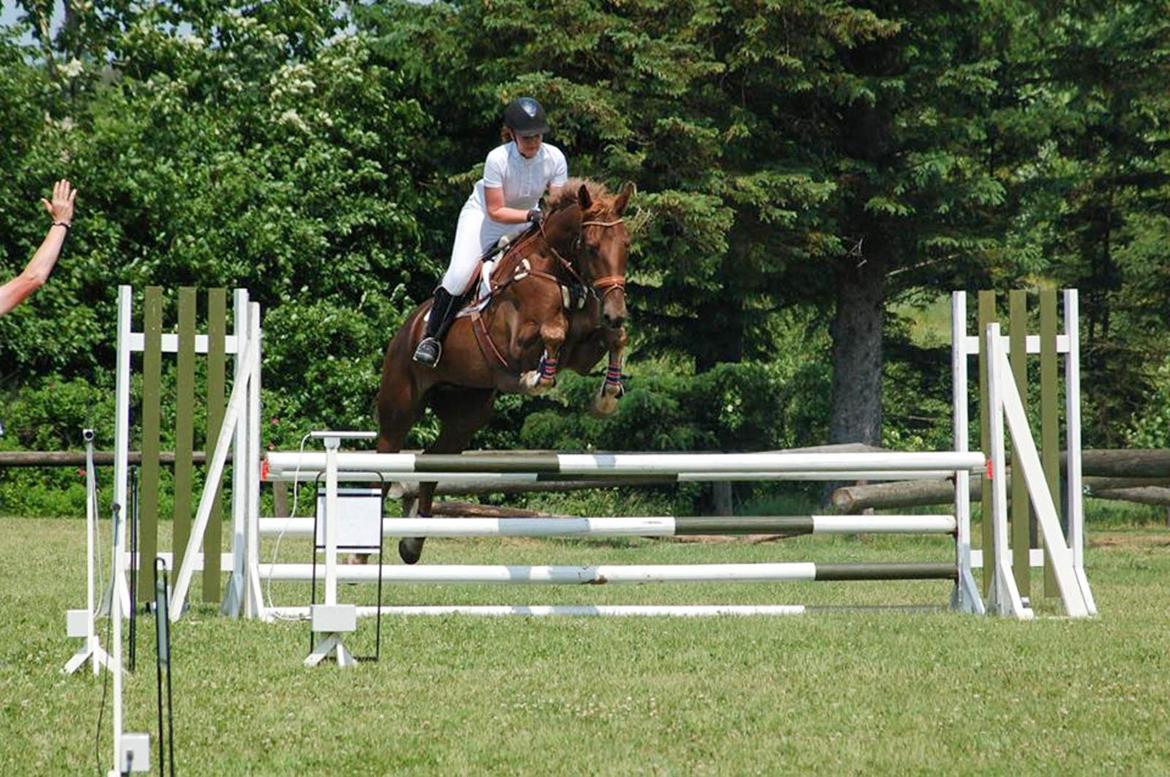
column 37, row 272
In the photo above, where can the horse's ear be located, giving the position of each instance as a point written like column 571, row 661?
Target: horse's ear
column 584, row 201
column 623, row 199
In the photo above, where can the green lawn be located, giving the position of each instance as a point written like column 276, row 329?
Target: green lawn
column 842, row 692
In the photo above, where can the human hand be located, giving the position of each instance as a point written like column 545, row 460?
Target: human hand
column 61, row 208
column 535, row 216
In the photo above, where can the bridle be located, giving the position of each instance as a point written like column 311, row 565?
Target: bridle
column 610, row 282
column 600, row 288
column 604, row 285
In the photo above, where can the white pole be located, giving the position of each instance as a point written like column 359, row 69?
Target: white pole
column 116, row 616
column 91, row 650
column 122, row 426
column 254, row 599
column 235, row 599
column 967, row 597
column 569, row 610
column 651, row 526
column 1074, row 485
column 90, row 547
column 331, row 515
column 553, row 575
column 309, row 464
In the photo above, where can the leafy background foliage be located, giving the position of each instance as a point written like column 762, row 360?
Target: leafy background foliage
column 812, row 178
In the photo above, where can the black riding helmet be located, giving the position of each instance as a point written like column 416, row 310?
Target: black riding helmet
column 524, row 116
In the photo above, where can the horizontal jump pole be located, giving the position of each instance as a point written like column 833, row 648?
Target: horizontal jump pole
column 604, row 574
column 640, row 527
column 571, row 610
column 309, row 464
column 482, row 482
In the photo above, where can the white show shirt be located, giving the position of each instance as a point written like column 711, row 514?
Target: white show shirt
column 523, row 180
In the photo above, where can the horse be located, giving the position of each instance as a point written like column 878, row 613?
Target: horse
column 557, row 301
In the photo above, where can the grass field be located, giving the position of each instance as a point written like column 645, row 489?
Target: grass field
column 848, row 692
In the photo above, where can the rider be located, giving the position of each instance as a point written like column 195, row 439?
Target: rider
column 504, row 202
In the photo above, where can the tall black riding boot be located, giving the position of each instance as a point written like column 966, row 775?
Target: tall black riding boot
column 442, row 315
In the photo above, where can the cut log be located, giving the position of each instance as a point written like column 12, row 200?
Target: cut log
column 920, row 493
column 506, row 486
column 1158, row 496
column 1126, row 463
column 77, row 458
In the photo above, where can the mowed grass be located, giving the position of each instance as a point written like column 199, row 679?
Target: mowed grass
column 843, row 692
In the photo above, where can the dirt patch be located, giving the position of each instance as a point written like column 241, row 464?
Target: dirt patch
column 1127, row 540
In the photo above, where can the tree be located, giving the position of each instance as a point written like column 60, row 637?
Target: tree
column 1095, row 214
column 237, row 144
column 805, row 154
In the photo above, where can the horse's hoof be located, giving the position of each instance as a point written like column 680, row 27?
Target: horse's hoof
column 410, row 549
column 604, row 405
column 534, row 385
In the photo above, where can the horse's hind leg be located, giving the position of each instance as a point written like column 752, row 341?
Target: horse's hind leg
column 461, row 413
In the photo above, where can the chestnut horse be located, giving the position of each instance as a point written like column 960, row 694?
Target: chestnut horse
column 558, row 301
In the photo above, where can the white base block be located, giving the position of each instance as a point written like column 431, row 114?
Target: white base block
column 77, row 623
column 334, row 618
column 134, row 754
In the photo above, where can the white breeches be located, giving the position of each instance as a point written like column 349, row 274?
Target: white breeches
column 475, row 234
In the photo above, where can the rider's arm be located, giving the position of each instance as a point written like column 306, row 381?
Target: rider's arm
column 498, row 211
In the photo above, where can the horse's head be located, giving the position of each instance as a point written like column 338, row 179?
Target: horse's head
column 602, row 248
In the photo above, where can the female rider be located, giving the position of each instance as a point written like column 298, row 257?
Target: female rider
column 504, row 202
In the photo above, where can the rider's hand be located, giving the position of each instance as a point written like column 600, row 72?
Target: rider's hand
column 535, row 216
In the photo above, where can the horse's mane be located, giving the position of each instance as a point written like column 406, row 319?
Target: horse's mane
column 566, row 195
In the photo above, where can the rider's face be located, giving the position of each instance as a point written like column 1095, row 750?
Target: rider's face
column 528, row 144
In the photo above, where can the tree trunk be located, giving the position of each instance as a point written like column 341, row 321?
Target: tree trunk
column 856, row 330
column 723, row 334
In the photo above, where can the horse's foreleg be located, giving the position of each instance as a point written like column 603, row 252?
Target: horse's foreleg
column 397, row 405
column 544, row 377
column 612, row 389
